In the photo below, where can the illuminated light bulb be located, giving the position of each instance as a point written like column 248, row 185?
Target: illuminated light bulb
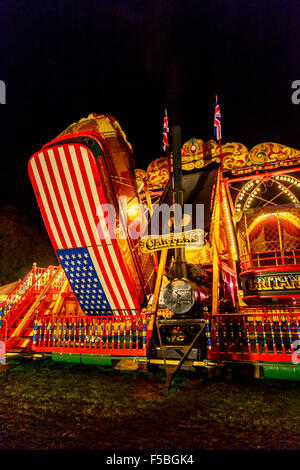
column 186, row 219
column 133, row 211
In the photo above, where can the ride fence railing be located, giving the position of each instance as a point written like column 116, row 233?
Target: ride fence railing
column 30, row 286
column 108, row 335
column 272, row 258
column 257, row 334
column 19, row 291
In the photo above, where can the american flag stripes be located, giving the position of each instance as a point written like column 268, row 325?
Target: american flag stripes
column 70, row 193
column 217, row 121
column 165, row 131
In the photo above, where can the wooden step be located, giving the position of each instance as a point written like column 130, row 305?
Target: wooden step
column 15, row 350
column 12, row 329
column 28, row 331
column 27, row 328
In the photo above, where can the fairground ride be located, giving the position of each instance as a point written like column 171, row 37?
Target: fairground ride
column 215, row 297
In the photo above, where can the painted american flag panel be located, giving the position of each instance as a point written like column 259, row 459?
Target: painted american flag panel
column 79, row 267
column 70, row 193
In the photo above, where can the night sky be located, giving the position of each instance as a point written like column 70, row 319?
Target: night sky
column 62, row 60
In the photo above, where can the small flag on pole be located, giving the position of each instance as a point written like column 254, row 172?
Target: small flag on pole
column 165, row 132
column 217, row 121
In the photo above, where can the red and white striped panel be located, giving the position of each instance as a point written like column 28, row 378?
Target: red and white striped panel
column 70, row 190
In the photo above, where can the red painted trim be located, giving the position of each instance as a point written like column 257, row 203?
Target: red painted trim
column 270, row 269
column 232, row 356
column 271, row 172
column 81, row 133
column 258, row 311
column 103, row 351
column 40, row 202
column 272, row 295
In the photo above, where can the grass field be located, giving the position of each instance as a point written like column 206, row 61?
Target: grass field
column 49, row 405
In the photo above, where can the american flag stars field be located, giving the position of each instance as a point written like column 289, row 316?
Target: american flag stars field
column 84, row 281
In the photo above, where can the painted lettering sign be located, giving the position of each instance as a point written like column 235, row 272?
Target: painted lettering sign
column 192, row 239
column 283, row 283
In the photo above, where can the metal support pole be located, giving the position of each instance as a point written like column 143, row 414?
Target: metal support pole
column 215, row 243
column 180, row 261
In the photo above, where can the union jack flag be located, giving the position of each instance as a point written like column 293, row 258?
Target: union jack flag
column 165, row 132
column 70, row 192
column 217, row 121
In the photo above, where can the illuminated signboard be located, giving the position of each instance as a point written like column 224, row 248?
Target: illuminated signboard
column 275, row 283
column 192, row 239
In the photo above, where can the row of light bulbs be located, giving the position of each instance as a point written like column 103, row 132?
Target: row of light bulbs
column 250, row 185
column 264, row 216
column 244, row 193
column 289, row 179
column 287, row 192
